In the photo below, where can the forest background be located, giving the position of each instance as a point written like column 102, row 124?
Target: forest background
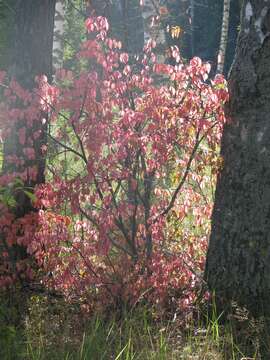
column 109, row 166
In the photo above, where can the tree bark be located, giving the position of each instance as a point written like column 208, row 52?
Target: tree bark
column 238, row 259
column 126, row 22
column 224, row 36
column 59, row 22
column 30, row 55
column 155, row 29
column 207, row 29
column 33, row 40
column 6, row 26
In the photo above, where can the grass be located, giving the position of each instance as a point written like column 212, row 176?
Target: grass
column 57, row 331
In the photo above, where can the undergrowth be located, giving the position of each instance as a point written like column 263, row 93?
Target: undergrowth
column 54, row 330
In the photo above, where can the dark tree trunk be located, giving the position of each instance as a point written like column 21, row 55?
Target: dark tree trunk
column 207, row 29
column 30, row 54
column 126, row 22
column 33, row 39
column 6, row 26
column 238, row 259
column 180, row 15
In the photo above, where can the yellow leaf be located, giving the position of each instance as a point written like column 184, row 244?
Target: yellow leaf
column 175, row 31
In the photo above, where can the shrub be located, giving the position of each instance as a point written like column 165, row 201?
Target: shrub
column 129, row 159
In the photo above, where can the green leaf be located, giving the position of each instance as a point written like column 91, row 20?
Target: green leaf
column 31, row 196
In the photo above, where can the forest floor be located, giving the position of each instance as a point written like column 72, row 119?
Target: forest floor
column 54, row 330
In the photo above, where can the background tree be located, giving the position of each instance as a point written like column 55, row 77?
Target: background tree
column 238, row 265
column 207, row 32
column 6, row 24
column 195, row 27
column 224, row 36
column 29, row 56
column 172, row 22
column 59, row 28
column 126, row 21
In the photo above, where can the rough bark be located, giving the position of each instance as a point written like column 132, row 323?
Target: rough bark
column 30, row 55
column 238, row 259
column 33, row 38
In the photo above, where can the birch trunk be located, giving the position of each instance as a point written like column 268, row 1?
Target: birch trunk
column 224, row 36
column 154, row 29
column 58, row 34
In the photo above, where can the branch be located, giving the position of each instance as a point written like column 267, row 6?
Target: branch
column 119, row 221
column 66, row 146
column 148, row 183
column 93, row 271
column 74, row 128
column 93, row 221
column 181, row 183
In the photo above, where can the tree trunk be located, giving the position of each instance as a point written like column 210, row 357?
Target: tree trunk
column 207, row 29
column 238, row 259
column 6, row 26
column 154, row 30
column 224, row 36
column 126, row 22
column 59, row 22
column 33, row 40
column 30, row 55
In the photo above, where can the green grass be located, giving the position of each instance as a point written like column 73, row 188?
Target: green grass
column 57, row 331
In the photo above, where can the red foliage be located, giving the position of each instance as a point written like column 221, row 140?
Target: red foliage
column 134, row 148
